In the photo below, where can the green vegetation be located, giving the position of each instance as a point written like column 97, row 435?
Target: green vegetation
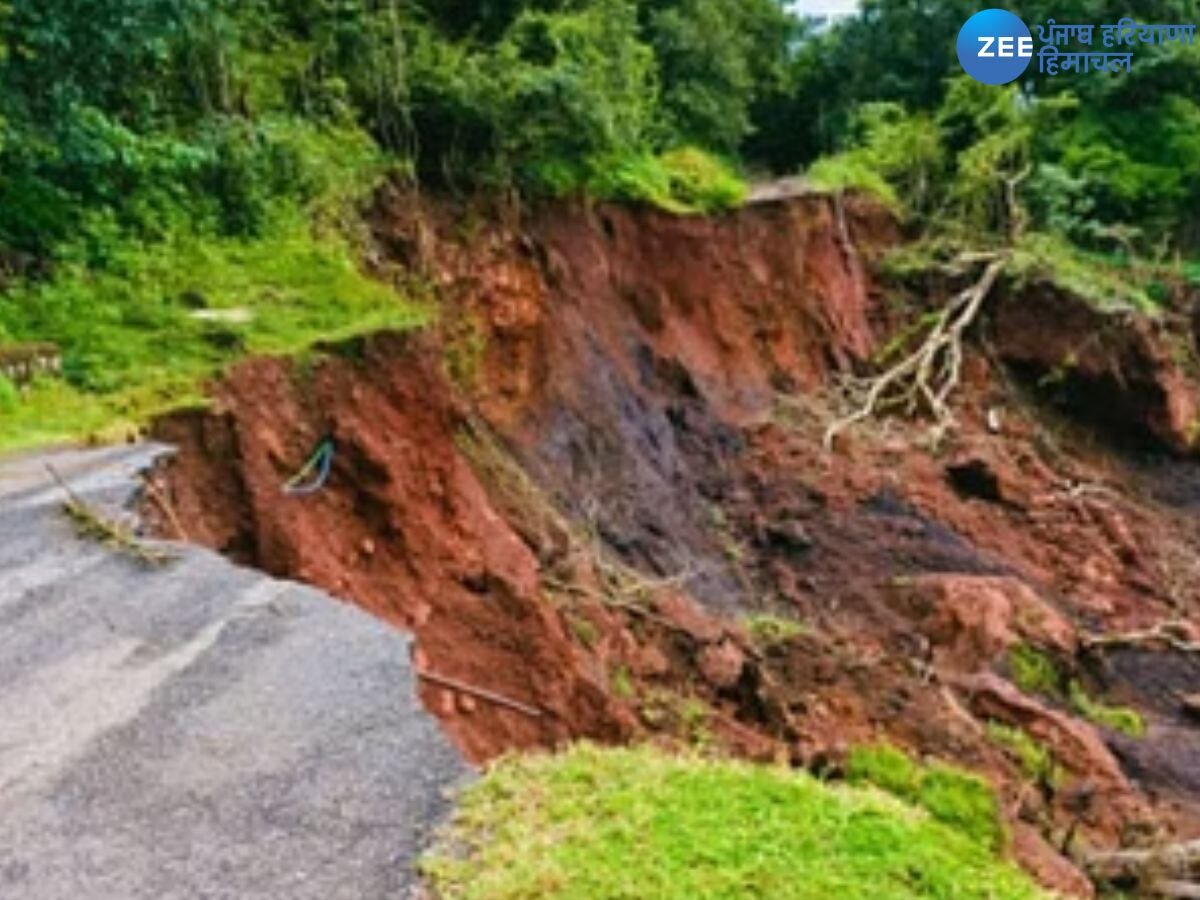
column 1034, row 758
column 957, row 798
column 768, row 631
column 138, row 144
column 637, row 823
column 1117, row 718
column 1034, row 672
column 140, row 334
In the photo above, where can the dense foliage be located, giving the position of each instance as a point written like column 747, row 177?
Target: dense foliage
column 129, row 128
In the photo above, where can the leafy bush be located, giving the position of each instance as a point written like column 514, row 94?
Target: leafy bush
column 680, row 181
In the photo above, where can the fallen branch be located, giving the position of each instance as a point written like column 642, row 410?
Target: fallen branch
column 1166, row 871
column 1169, row 634
column 167, row 509
column 928, row 376
column 481, row 694
column 94, row 526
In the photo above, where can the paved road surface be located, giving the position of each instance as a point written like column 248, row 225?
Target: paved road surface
column 197, row 731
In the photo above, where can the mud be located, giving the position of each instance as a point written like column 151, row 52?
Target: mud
column 580, row 488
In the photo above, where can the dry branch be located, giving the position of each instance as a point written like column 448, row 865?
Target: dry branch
column 94, row 526
column 487, row 696
column 1169, row 634
column 928, row 376
column 1166, row 871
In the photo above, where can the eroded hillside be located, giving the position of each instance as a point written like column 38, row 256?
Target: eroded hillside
column 599, row 497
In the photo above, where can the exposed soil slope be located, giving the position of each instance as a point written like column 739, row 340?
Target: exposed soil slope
column 610, row 457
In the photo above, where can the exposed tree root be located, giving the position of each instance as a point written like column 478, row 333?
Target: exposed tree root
column 1167, row 634
column 928, row 376
column 1167, row 871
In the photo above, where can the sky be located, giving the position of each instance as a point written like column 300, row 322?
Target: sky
column 825, row 7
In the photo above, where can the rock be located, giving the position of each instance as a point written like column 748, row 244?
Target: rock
column 1073, row 742
column 1118, row 371
column 683, row 613
column 722, row 664
column 972, row 620
column 1050, row 868
column 652, row 662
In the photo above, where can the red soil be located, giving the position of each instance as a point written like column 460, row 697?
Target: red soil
column 627, row 462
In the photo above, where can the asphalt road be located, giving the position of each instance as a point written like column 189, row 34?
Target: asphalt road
column 196, row 730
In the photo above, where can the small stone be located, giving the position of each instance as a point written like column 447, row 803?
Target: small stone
column 367, row 547
column 467, row 704
column 722, row 664
column 652, row 662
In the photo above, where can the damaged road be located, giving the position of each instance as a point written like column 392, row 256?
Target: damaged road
column 195, row 730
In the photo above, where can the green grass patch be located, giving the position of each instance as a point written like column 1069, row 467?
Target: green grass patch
column 133, row 345
column 640, row 824
column 1034, row 672
column 1034, row 758
column 953, row 796
column 850, row 172
column 1092, row 277
column 1116, row 718
column 768, row 630
column 683, row 181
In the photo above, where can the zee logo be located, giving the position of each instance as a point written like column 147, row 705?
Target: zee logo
column 1005, row 47
column 995, row 47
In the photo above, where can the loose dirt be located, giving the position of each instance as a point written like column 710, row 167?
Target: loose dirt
column 599, row 483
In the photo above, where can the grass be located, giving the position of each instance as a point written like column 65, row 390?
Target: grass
column 592, row 823
column 768, row 631
column 1034, row 758
column 1116, row 718
column 952, row 796
column 1034, row 672
column 1095, row 278
column 132, row 347
column 849, row 172
column 683, row 181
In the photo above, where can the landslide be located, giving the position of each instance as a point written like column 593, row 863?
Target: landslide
column 598, row 496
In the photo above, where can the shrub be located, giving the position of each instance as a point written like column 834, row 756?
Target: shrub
column 681, row 181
